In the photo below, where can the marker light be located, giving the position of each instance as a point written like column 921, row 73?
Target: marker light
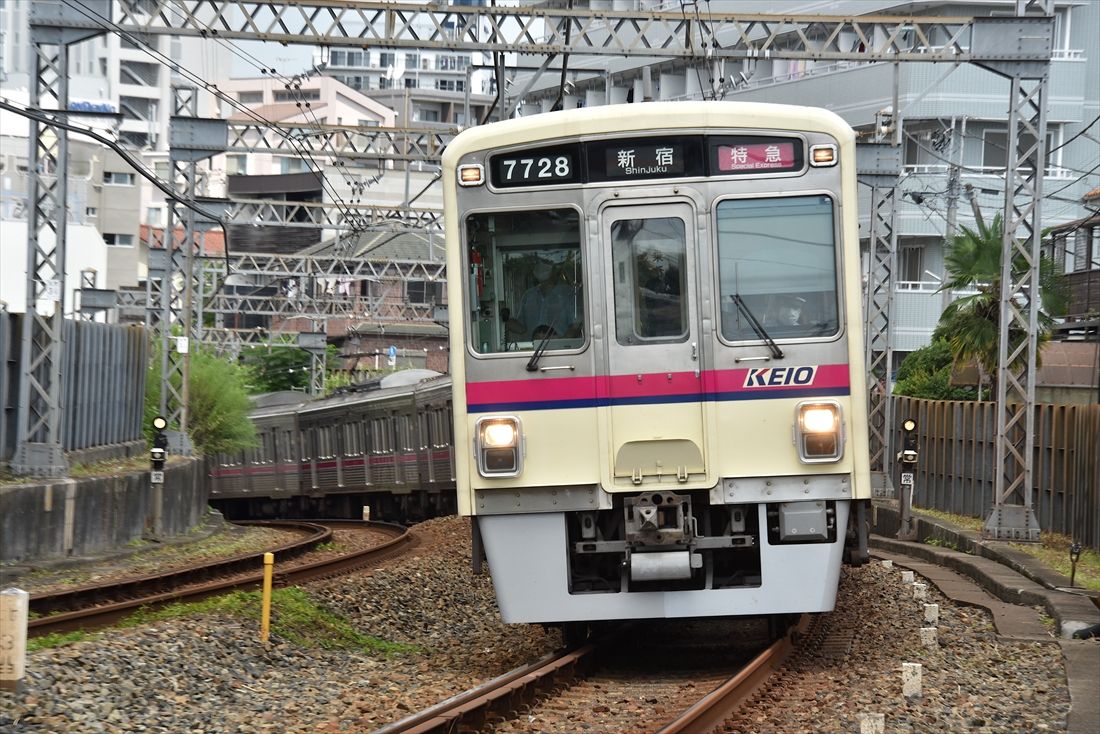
column 471, row 174
column 909, row 424
column 819, row 432
column 499, row 446
column 160, row 423
column 822, row 155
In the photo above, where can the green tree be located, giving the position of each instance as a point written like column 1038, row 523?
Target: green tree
column 277, row 368
column 971, row 324
column 926, row 373
column 218, row 403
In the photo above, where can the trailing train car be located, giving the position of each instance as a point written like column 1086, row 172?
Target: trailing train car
column 387, row 448
column 657, row 355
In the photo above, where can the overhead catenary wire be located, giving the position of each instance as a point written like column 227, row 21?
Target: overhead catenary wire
column 290, row 84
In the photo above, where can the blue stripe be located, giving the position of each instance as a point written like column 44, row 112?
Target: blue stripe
column 802, row 392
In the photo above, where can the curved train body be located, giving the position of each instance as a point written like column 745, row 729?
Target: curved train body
column 659, row 393
column 388, row 449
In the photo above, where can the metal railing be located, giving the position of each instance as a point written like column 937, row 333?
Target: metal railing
column 957, row 461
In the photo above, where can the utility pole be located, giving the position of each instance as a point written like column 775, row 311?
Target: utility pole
column 952, row 199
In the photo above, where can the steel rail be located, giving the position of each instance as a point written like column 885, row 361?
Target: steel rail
column 106, row 613
column 78, row 597
column 498, row 694
column 714, row 708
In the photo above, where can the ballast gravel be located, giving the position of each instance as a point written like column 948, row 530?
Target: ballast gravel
column 211, row 674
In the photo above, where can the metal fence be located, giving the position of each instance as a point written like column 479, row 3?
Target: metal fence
column 102, row 383
column 958, row 460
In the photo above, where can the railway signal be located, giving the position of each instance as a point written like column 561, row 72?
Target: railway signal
column 159, row 451
column 908, row 458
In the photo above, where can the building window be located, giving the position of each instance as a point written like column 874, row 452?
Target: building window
column 297, row 95
column 118, row 240
column 161, row 169
column 116, row 178
column 368, row 123
column 412, row 61
column 293, row 165
column 387, row 60
column 424, row 291
column 995, row 149
column 251, row 97
column 236, row 165
column 411, row 82
column 452, row 63
column 91, row 212
column 1094, row 260
column 910, row 263
column 152, row 216
column 429, row 115
column 450, row 85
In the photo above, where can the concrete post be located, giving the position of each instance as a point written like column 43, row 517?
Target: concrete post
column 14, row 607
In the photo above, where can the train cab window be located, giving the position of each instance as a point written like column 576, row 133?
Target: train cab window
column 778, row 257
column 649, row 259
column 525, row 280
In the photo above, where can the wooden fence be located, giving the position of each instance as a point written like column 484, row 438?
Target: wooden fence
column 958, row 462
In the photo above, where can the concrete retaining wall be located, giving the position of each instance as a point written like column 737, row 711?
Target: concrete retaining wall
column 78, row 517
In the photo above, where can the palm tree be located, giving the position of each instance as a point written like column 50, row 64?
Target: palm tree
column 971, row 324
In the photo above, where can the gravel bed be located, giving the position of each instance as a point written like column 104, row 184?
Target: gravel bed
column 213, row 675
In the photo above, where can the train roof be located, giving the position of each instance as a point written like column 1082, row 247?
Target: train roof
column 397, row 383
column 624, row 118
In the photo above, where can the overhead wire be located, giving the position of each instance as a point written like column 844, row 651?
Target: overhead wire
column 108, row 24
column 291, row 84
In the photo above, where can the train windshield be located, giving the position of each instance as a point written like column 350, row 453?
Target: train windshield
column 525, row 270
column 778, row 255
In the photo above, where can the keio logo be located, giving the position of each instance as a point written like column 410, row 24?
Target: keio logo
column 780, row 376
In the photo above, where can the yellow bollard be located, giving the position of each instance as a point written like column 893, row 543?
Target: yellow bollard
column 265, row 611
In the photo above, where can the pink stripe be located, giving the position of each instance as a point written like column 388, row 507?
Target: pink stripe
column 545, row 389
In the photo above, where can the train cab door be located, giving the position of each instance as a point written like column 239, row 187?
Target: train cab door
column 655, row 386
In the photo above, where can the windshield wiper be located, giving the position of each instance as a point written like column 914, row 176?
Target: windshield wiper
column 533, row 363
column 777, row 353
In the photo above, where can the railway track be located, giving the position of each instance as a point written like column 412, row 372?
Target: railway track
column 637, row 679
column 96, row 605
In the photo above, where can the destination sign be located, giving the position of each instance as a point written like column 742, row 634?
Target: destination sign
column 633, row 160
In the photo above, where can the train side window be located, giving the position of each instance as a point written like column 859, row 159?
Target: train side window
column 779, row 256
column 649, row 258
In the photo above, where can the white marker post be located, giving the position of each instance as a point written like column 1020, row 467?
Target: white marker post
column 887, row 564
column 872, row 723
column 928, row 636
column 932, row 613
column 907, row 577
column 14, row 606
column 920, row 591
column 911, row 680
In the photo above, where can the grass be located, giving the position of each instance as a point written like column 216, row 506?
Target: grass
column 294, row 617
column 1052, row 549
column 940, row 543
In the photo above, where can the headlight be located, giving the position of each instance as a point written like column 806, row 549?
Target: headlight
column 499, row 446
column 819, row 432
column 498, row 434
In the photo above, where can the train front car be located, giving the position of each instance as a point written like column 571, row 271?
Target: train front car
column 659, row 403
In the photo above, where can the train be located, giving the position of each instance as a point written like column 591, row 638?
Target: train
column 382, row 450
column 657, row 359
column 657, row 401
